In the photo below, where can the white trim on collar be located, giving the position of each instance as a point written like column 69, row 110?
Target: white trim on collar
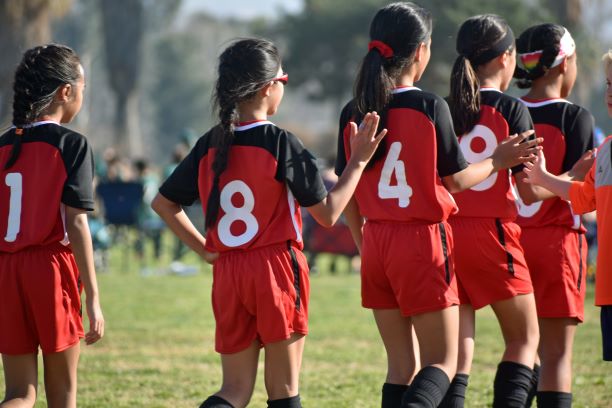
column 252, row 125
column 405, row 89
column 544, row 103
column 34, row 124
column 489, row 89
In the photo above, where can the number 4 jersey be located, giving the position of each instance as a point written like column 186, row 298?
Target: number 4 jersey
column 269, row 173
column 420, row 148
column 54, row 169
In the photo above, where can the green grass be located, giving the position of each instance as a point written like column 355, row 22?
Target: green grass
column 158, row 348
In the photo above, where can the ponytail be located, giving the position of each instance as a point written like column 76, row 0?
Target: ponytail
column 464, row 99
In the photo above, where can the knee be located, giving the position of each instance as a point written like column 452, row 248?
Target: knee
column 20, row 396
column 239, row 392
column 401, row 372
column 555, row 352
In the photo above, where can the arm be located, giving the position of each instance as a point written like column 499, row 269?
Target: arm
column 176, row 219
column 536, row 173
column 355, row 222
column 510, row 152
column 80, row 240
column 363, row 145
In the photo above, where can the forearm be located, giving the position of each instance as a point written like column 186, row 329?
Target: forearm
column 557, row 185
column 355, row 222
column 82, row 248
column 178, row 222
column 329, row 210
column 470, row 176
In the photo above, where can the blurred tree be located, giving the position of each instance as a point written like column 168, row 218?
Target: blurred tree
column 23, row 24
column 125, row 25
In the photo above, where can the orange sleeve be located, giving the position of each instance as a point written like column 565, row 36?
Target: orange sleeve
column 582, row 193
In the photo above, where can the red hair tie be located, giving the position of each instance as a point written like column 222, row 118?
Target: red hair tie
column 382, row 48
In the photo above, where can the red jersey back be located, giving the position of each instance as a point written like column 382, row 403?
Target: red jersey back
column 568, row 131
column 54, row 168
column 269, row 173
column 500, row 116
column 420, row 148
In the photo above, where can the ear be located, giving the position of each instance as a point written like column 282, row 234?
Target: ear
column 563, row 66
column 64, row 93
column 420, row 52
column 266, row 90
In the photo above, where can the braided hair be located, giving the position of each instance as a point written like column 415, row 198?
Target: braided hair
column 41, row 72
column 545, row 37
column 245, row 68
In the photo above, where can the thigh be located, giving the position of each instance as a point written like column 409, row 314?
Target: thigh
column 239, row 374
column 401, row 345
column 438, row 333
column 61, row 377
column 20, row 376
column 283, row 362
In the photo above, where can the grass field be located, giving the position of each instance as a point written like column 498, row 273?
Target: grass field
column 158, row 348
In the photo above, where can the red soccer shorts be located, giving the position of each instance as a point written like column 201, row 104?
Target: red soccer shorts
column 259, row 294
column 407, row 266
column 489, row 261
column 557, row 261
column 41, row 302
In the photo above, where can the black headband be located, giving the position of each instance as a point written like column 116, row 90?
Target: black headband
column 496, row 49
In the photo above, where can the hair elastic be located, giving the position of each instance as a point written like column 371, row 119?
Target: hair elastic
column 381, row 47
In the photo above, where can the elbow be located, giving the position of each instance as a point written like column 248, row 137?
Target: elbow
column 157, row 204
column 328, row 222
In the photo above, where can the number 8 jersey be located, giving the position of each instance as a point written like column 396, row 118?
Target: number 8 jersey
column 269, row 173
column 54, row 169
column 420, row 148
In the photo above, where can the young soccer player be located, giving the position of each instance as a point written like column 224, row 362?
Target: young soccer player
column 552, row 236
column 45, row 246
column 493, row 271
column 595, row 193
column 252, row 177
column 407, row 271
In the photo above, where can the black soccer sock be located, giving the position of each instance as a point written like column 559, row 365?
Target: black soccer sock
column 511, row 386
column 533, row 387
column 392, row 395
column 216, row 402
column 455, row 396
column 427, row 389
column 554, row 399
column 291, row 402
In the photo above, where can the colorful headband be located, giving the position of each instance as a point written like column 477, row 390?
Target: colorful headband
column 381, row 47
column 496, row 49
column 567, row 47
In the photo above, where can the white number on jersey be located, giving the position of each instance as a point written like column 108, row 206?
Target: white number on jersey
column 393, row 165
column 486, row 134
column 233, row 214
column 15, row 182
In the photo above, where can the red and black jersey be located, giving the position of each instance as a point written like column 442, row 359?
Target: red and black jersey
column 420, row 148
column 568, row 132
column 500, row 116
column 54, row 168
column 269, row 173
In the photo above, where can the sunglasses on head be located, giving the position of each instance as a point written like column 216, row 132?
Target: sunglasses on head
column 283, row 79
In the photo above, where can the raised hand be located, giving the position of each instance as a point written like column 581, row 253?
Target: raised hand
column 580, row 169
column 363, row 139
column 515, row 150
column 536, row 170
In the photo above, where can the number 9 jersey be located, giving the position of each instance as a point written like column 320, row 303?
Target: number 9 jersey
column 54, row 169
column 269, row 172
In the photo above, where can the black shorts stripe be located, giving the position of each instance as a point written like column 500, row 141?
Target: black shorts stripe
column 445, row 252
column 502, row 241
column 580, row 260
column 296, row 275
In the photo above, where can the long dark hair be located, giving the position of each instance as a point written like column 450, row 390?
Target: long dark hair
column 245, row 67
column 41, row 72
column 545, row 37
column 477, row 39
column 402, row 27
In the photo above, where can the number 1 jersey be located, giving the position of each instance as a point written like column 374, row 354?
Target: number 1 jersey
column 269, row 172
column 54, row 169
